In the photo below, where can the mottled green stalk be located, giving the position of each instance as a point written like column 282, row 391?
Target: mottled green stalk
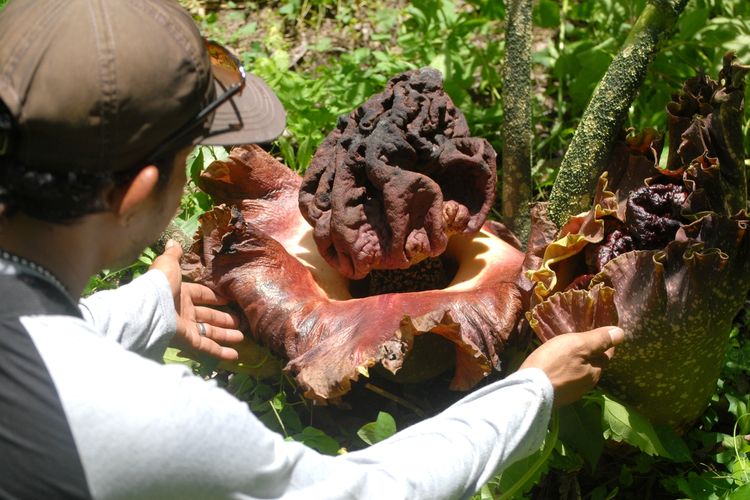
column 517, row 119
column 730, row 117
column 607, row 110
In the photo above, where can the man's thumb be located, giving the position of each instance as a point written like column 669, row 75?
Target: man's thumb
column 605, row 337
column 173, row 249
column 617, row 335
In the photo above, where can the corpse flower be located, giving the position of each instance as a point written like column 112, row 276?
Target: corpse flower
column 398, row 258
column 664, row 253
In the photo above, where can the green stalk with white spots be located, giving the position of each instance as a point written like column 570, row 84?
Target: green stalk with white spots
column 604, row 116
column 516, row 188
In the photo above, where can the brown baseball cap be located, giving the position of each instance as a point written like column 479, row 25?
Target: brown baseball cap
column 100, row 85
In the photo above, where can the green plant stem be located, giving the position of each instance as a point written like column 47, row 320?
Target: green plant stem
column 561, row 34
column 549, row 445
column 396, row 399
column 516, row 189
column 604, row 116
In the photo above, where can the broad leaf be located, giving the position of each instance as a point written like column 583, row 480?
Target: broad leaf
column 517, row 472
column 374, row 432
column 623, row 424
column 580, row 428
column 741, row 493
column 318, row 440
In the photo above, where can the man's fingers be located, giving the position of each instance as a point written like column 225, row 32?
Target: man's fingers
column 203, row 295
column 609, row 353
column 222, row 335
column 211, row 348
column 218, row 351
column 210, row 343
column 216, row 318
column 169, row 264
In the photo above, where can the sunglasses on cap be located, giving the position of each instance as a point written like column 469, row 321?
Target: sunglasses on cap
column 230, row 74
column 6, row 130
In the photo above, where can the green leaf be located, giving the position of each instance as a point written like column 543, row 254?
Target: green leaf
column 581, row 429
column 190, row 225
column 741, row 493
column 740, row 468
column 323, row 44
column 485, row 493
column 674, row 444
column 601, row 492
column 172, row 356
column 565, row 458
column 439, row 62
column 374, row 432
column 738, row 408
column 318, row 440
column 624, row 424
column 246, row 30
column 206, row 364
column 287, row 152
column 290, row 8
column 304, row 154
column 593, row 65
column 692, row 22
column 705, row 486
column 202, row 156
column 195, row 163
column 516, row 473
column 547, row 14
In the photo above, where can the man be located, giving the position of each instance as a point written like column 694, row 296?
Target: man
column 101, row 101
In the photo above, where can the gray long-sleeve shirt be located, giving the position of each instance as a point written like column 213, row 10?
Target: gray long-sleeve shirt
column 143, row 429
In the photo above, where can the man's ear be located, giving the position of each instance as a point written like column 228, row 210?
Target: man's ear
column 128, row 198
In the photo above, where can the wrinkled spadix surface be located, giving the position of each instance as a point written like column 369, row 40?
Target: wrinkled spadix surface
column 665, row 254
column 256, row 249
column 397, row 177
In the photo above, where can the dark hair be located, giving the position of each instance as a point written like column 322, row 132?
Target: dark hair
column 61, row 196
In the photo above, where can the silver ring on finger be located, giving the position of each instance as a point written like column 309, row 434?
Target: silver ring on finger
column 201, row 328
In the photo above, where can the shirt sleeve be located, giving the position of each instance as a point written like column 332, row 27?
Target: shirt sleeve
column 140, row 316
column 453, row 454
column 149, row 430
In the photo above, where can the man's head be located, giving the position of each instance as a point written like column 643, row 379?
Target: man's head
column 91, row 91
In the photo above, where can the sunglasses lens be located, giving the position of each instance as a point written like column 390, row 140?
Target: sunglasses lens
column 227, row 68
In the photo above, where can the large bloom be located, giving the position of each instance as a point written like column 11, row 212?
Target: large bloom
column 664, row 253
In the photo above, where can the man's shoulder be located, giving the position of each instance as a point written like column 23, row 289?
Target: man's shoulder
column 25, row 294
column 42, row 446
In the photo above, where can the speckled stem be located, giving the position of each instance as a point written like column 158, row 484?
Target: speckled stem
column 516, row 190
column 607, row 110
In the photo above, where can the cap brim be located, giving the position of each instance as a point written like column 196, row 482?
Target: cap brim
column 263, row 116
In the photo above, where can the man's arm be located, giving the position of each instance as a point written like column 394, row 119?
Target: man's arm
column 454, row 454
column 140, row 316
column 144, row 429
column 155, row 309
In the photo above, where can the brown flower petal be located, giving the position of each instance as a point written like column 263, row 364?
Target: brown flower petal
column 301, row 307
column 574, row 311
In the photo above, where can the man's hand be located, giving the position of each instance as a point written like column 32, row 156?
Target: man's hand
column 574, row 361
column 190, row 300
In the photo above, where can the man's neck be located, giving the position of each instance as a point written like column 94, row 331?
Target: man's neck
column 68, row 251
